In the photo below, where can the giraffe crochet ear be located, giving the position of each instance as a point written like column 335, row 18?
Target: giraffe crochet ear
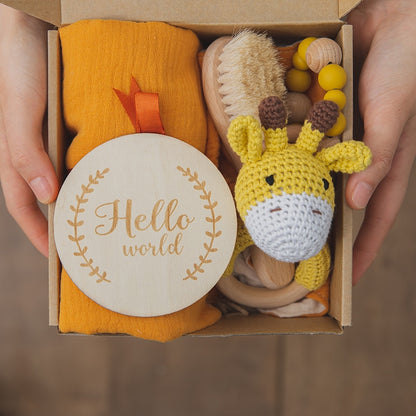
column 245, row 137
column 346, row 157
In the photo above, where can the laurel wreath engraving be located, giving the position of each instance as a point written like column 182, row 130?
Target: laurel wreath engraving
column 213, row 233
column 76, row 223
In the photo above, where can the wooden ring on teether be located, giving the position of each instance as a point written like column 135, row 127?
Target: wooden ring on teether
column 259, row 297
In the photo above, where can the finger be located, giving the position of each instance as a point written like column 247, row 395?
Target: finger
column 23, row 104
column 21, row 203
column 385, row 204
column 29, row 158
column 366, row 19
column 386, row 103
column 361, row 186
column 364, row 26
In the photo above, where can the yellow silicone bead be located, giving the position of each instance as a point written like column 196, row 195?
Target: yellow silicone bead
column 298, row 81
column 332, row 77
column 339, row 126
column 298, row 62
column 337, row 96
column 303, row 46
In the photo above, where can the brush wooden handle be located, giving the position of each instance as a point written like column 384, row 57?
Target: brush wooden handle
column 259, row 297
column 213, row 97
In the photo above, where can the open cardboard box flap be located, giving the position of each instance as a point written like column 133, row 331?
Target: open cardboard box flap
column 61, row 12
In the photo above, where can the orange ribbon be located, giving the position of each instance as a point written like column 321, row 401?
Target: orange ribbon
column 142, row 109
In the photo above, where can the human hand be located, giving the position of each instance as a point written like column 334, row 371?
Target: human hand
column 384, row 38
column 26, row 173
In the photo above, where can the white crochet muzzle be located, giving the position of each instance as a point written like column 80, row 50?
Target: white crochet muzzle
column 290, row 227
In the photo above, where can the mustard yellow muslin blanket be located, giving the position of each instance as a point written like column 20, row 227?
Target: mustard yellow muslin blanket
column 99, row 56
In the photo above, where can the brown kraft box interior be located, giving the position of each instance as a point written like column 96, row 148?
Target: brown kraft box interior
column 287, row 21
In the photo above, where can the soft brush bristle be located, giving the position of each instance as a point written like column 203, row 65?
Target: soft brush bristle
column 249, row 71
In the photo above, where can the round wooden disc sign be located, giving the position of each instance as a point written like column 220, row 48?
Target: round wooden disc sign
column 145, row 225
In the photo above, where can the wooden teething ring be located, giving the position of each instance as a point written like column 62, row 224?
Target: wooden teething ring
column 259, row 297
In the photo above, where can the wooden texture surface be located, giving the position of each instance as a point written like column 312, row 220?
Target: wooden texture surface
column 370, row 370
column 163, row 232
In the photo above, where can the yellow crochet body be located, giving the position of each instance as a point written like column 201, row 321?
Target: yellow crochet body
column 311, row 273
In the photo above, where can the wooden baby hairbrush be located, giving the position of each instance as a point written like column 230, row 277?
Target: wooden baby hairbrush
column 237, row 73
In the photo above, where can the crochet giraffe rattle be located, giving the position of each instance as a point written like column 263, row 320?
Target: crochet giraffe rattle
column 285, row 196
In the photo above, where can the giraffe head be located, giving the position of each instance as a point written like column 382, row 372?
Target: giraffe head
column 285, row 194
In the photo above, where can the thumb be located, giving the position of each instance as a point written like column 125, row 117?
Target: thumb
column 387, row 102
column 382, row 139
column 23, row 120
column 23, row 101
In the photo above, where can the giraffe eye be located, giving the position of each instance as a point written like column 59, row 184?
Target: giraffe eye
column 270, row 180
column 326, row 184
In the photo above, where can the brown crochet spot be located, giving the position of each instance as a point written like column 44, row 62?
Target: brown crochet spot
column 272, row 113
column 323, row 115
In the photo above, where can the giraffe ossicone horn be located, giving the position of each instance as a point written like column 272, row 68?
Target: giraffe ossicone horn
column 272, row 113
column 321, row 118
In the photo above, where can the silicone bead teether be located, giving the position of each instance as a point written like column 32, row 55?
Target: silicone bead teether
column 337, row 96
column 303, row 46
column 298, row 81
column 298, row 62
column 332, row 77
column 339, row 126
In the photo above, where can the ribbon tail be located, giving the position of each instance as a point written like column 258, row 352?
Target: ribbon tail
column 128, row 102
column 148, row 113
column 134, row 87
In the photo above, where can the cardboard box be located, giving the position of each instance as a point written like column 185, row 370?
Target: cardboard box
column 283, row 21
